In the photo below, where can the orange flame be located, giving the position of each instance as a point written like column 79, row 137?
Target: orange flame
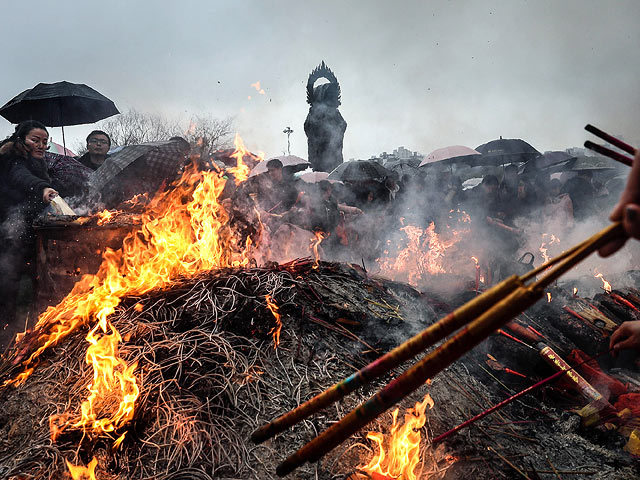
column 83, row 473
column 184, row 231
column 545, row 244
column 315, row 243
column 402, row 455
column 549, row 297
column 241, row 170
column 106, row 216
column 424, row 254
column 575, row 291
column 606, row 286
column 275, row 331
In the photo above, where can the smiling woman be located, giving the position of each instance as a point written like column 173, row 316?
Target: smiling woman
column 25, row 191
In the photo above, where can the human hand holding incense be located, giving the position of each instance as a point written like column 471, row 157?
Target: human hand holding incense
column 627, row 210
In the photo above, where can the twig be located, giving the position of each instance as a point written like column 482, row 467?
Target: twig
column 508, row 462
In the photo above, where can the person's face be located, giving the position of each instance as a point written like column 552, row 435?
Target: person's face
column 98, row 145
column 275, row 174
column 36, row 141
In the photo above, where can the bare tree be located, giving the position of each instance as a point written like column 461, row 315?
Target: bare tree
column 134, row 127
column 208, row 134
column 205, row 134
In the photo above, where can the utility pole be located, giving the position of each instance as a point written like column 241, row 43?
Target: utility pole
column 288, row 131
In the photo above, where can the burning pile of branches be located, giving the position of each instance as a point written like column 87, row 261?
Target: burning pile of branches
column 207, row 371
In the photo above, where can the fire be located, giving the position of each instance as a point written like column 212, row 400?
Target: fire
column 606, row 286
column 475, row 260
column 575, row 291
column 105, row 216
column 184, row 231
column 424, row 254
column 545, row 244
column 315, row 243
column 549, row 297
column 275, row 331
column 241, row 170
column 83, row 473
column 402, row 455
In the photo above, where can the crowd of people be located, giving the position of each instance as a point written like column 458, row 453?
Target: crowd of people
column 356, row 219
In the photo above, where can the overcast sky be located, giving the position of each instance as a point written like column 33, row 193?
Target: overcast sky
column 422, row 74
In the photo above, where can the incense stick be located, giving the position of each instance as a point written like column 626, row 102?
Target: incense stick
column 610, row 138
column 507, row 401
column 607, row 152
column 390, row 360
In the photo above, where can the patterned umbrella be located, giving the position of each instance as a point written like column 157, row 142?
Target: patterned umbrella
column 67, row 171
column 149, row 163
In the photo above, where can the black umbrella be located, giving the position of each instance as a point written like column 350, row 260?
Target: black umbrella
column 403, row 167
column 58, row 105
column 549, row 161
column 359, row 170
column 505, row 150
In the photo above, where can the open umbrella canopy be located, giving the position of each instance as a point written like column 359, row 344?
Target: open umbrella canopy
column 592, row 163
column 505, row 150
column 359, row 171
column 59, row 150
column 549, row 161
column 59, row 104
column 156, row 160
column 403, row 168
column 315, row 177
column 290, row 162
column 451, row 154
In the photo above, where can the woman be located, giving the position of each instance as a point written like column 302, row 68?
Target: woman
column 25, row 191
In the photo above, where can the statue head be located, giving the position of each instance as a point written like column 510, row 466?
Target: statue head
column 328, row 93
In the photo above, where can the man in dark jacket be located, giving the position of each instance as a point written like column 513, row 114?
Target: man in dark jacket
column 98, row 144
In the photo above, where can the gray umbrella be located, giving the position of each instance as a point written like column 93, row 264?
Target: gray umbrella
column 359, row 171
column 157, row 160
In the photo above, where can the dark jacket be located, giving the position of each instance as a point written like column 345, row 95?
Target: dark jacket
column 22, row 182
column 86, row 161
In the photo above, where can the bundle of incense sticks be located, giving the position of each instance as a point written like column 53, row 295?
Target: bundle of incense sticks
column 476, row 321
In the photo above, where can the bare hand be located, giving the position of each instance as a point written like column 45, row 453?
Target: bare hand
column 48, row 194
column 625, row 337
column 627, row 210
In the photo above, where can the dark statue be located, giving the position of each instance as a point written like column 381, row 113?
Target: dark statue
column 324, row 125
